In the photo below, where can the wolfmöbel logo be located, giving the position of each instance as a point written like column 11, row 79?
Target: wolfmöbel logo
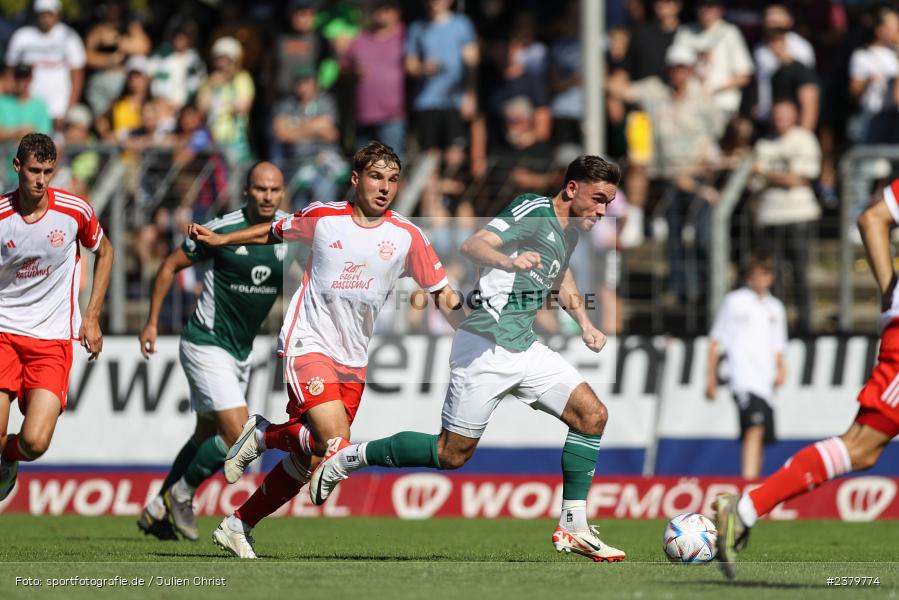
column 865, row 498
column 426, row 495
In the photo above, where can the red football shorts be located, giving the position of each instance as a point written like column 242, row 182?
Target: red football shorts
column 313, row 379
column 27, row 363
column 879, row 398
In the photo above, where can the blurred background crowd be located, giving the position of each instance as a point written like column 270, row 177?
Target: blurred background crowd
column 159, row 108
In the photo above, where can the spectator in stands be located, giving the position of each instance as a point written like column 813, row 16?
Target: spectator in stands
column 650, row 41
column 751, row 328
column 566, row 79
column 517, row 82
column 606, row 262
column 19, row 114
column 126, row 113
column 442, row 55
column 233, row 23
column 301, row 47
column 873, row 72
column 56, row 54
column 80, row 164
column 787, row 166
column 777, row 18
column 176, row 69
column 227, row 97
column 794, row 81
column 724, row 66
column 306, row 123
column 686, row 124
column 109, row 43
column 532, row 53
column 375, row 61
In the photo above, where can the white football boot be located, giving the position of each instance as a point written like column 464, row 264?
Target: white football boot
column 245, row 450
column 232, row 535
column 586, row 543
column 179, row 502
column 328, row 473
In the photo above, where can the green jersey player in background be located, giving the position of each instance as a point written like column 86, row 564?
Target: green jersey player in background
column 523, row 258
column 238, row 292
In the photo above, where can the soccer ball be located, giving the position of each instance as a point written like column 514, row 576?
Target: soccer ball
column 690, row 538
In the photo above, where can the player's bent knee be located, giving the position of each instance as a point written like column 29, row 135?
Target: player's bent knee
column 862, row 460
column 35, row 446
column 451, row 460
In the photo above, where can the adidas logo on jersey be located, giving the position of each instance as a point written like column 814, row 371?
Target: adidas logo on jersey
column 10, row 244
column 551, row 237
column 336, row 245
column 242, row 251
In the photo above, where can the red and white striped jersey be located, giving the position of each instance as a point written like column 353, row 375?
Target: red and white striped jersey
column 350, row 274
column 39, row 265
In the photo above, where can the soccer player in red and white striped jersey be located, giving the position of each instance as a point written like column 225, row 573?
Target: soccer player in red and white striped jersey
column 876, row 423
column 41, row 231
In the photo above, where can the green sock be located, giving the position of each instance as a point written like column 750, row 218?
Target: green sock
column 579, row 457
column 209, row 459
column 404, row 449
column 182, row 461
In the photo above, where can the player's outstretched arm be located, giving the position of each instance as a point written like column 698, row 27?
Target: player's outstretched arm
column 90, row 333
column 574, row 305
column 450, row 305
column 482, row 248
column 173, row 263
column 258, row 235
column 874, row 225
column 711, row 371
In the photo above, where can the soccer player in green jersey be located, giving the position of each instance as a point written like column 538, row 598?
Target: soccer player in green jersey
column 523, row 255
column 238, row 292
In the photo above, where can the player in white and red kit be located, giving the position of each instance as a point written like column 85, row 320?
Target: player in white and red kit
column 41, row 231
column 876, row 423
column 359, row 250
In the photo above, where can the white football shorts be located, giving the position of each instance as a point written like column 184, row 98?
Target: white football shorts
column 482, row 374
column 217, row 380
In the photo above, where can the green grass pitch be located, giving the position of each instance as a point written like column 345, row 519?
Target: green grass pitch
column 374, row 559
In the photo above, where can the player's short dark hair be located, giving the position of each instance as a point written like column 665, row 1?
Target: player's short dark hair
column 39, row 145
column 588, row 168
column 373, row 152
column 250, row 171
column 761, row 260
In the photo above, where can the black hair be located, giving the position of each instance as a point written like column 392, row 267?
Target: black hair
column 39, row 145
column 587, row 168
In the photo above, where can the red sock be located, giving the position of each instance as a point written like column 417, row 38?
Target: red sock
column 806, row 470
column 12, row 452
column 277, row 488
column 290, row 437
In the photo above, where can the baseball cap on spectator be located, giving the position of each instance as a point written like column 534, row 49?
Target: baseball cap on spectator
column 47, row 6
column 79, row 115
column 22, row 70
column 138, row 63
column 228, row 47
column 679, row 55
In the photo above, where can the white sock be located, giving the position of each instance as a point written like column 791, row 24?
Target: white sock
column 235, row 524
column 353, row 457
column 260, row 436
column 183, row 491
column 746, row 510
column 574, row 515
column 156, row 508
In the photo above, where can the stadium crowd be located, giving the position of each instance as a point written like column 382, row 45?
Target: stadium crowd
column 188, row 93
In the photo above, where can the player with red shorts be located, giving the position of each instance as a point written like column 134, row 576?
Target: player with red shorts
column 876, row 423
column 359, row 250
column 41, row 229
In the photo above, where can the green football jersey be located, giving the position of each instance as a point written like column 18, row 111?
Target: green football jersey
column 509, row 301
column 239, row 289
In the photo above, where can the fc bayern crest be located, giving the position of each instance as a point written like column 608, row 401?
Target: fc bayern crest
column 57, row 238
column 386, row 250
column 316, row 386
